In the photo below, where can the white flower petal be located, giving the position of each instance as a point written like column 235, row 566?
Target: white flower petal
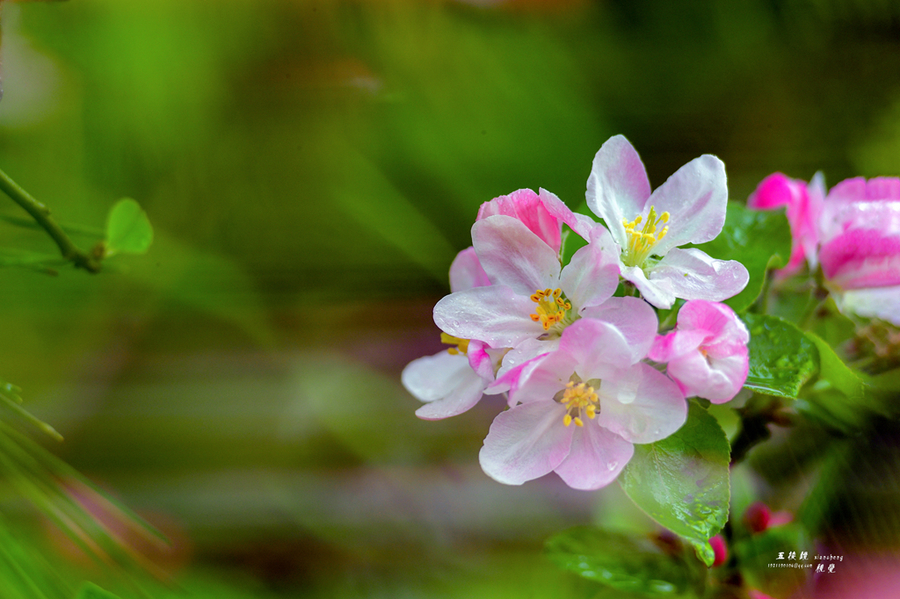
column 432, row 377
column 618, row 186
column 878, row 302
column 468, row 391
column 696, row 198
column 659, row 292
column 692, row 274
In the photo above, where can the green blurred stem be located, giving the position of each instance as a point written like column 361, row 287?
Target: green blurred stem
column 41, row 214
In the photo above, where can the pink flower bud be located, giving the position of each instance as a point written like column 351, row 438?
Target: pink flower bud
column 720, row 550
column 757, row 517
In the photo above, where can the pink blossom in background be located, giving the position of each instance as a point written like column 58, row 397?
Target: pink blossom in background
column 648, row 227
column 706, row 354
column 860, row 246
column 803, row 204
column 579, row 410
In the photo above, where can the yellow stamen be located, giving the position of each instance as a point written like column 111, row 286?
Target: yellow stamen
column 462, row 345
column 641, row 241
column 552, row 307
column 579, row 399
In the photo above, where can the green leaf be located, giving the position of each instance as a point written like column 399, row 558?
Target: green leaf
column 682, row 481
column 760, row 240
column 92, row 591
column 46, row 263
column 782, row 357
column 833, row 370
column 128, row 229
column 758, row 556
column 626, row 563
column 9, row 397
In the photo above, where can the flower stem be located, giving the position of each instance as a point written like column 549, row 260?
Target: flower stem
column 41, row 214
column 756, row 417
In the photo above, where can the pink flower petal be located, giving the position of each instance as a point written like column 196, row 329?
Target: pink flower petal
column 525, row 206
column 511, row 368
column 634, row 319
column 676, row 344
column 496, row 315
column 839, row 218
column 717, row 380
column 541, row 378
column 657, row 409
column 707, row 352
column 861, row 258
column 618, row 186
column 579, row 223
column 596, row 458
column 595, row 345
column 466, row 271
column 696, row 198
column 591, row 277
column 526, row 442
column 480, row 359
column 858, row 189
column 512, row 255
column 776, row 191
column 716, row 319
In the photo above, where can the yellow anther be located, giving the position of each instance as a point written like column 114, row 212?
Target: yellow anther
column 641, row 241
column 462, row 345
column 552, row 307
column 579, row 399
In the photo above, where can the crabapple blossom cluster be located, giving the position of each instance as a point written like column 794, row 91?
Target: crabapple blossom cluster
column 852, row 233
column 575, row 345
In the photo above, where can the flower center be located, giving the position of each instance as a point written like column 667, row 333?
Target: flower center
column 552, row 307
column 580, row 400
column 461, row 345
column 641, row 241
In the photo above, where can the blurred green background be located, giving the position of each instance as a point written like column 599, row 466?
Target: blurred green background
column 311, row 168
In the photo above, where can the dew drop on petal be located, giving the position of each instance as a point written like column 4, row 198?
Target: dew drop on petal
column 612, row 466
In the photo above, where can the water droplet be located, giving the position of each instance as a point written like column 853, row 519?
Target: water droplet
column 612, row 466
column 455, row 323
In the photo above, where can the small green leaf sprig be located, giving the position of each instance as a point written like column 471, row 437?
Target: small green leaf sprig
column 128, row 231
